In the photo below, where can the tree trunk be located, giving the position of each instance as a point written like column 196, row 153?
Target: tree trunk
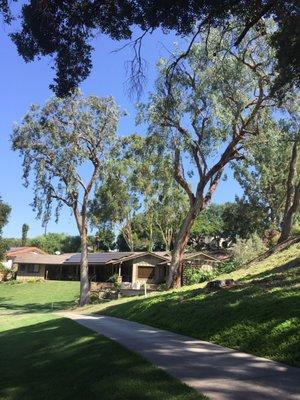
column 292, row 196
column 288, row 219
column 175, row 274
column 84, row 269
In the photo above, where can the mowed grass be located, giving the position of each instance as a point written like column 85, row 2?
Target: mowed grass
column 38, row 296
column 44, row 357
column 261, row 315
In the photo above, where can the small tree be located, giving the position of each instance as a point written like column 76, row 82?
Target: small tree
column 65, row 145
column 206, row 113
column 25, row 229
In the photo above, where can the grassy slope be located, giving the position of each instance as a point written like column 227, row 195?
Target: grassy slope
column 260, row 316
column 44, row 357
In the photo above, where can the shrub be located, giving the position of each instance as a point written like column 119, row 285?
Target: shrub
column 226, row 267
column 4, row 272
column 244, row 250
column 296, row 229
column 192, row 275
column 114, row 279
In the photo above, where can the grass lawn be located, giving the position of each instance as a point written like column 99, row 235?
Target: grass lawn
column 38, row 296
column 46, row 357
column 260, row 316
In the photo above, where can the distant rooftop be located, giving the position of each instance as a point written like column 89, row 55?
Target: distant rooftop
column 14, row 251
column 74, row 258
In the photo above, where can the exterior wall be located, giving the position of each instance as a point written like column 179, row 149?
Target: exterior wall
column 25, row 275
column 147, row 261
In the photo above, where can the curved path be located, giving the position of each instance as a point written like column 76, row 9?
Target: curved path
column 218, row 372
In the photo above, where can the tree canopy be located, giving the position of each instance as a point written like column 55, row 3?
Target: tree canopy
column 65, row 146
column 65, row 30
column 140, row 196
column 216, row 103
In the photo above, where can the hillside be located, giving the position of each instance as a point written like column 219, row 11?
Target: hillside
column 261, row 315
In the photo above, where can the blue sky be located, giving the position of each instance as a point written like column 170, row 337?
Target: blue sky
column 23, row 84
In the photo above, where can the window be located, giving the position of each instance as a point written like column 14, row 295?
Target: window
column 146, row 272
column 22, row 268
column 33, row 268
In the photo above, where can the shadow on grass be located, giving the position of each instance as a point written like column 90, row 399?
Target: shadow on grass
column 7, row 306
column 59, row 359
column 260, row 318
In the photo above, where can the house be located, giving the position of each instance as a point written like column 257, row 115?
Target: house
column 133, row 268
column 13, row 252
column 201, row 259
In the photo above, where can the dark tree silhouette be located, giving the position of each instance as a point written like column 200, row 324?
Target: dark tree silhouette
column 65, row 29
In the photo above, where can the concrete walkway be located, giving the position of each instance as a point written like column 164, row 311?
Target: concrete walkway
column 218, row 372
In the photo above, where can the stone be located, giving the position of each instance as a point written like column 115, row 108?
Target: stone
column 220, row 284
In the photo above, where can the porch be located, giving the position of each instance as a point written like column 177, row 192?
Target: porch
column 132, row 274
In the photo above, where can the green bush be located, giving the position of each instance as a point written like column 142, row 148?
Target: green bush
column 296, row 229
column 192, row 275
column 226, row 267
column 114, row 279
column 245, row 250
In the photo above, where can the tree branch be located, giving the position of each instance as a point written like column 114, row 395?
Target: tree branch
column 180, row 179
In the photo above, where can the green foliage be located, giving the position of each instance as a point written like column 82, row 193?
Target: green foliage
column 114, row 279
column 193, row 275
column 53, row 242
column 56, row 141
column 138, row 194
column 105, row 239
column 65, row 32
column 243, row 219
column 209, row 222
column 296, row 229
column 5, row 210
column 226, row 267
column 245, row 250
column 264, row 172
column 25, row 229
column 4, row 246
column 208, row 112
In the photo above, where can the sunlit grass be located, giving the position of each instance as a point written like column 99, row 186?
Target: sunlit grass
column 261, row 315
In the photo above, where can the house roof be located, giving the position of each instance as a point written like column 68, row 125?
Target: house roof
column 111, row 257
column 99, row 258
column 200, row 254
column 48, row 259
column 191, row 256
column 74, row 258
column 14, row 251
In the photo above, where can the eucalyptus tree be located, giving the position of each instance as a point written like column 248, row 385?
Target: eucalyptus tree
column 213, row 105
column 65, row 146
column 140, row 195
column 292, row 198
column 270, row 172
